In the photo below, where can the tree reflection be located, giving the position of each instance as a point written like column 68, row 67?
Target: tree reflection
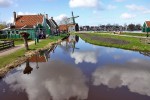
column 145, row 53
column 28, row 69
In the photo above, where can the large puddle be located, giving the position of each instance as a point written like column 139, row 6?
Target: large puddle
column 76, row 70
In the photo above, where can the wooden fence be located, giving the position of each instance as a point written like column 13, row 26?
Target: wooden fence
column 6, row 44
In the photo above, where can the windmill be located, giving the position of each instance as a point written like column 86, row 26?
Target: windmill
column 72, row 19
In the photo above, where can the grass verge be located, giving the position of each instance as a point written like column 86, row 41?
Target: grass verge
column 134, row 43
column 5, row 60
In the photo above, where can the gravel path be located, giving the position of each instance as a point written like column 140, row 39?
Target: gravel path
column 13, row 49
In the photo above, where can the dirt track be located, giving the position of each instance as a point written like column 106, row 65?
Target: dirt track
column 105, row 39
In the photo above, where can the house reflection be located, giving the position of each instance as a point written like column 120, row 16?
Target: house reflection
column 70, row 43
column 40, row 57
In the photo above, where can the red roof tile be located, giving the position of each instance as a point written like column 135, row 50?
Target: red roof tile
column 37, row 59
column 63, row 27
column 28, row 20
column 148, row 23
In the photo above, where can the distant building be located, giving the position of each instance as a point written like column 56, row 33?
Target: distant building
column 69, row 28
column 146, row 27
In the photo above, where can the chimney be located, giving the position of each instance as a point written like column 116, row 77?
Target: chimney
column 46, row 16
column 51, row 18
column 15, row 16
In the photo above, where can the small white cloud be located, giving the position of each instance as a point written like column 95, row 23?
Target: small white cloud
column 111, row 7
column 84, row 3
column 134, row 7
column 119, row 0
column 26, row 13
column 10, row 20
column 60, row 17
column 127, row 16
column 6, row 3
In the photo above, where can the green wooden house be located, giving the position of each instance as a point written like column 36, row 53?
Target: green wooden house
column 146, row 27
column 35, row 25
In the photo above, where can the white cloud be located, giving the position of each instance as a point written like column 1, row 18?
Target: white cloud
column 119, row 0
column 57, row 80
column 11, row 20
column 127, row 16
column 26, row 13
column 135, row 74
column 60, row 17
column 134, row 7
column 84, row 3
column 111, row 7
column 85, row 56
column 6, row 3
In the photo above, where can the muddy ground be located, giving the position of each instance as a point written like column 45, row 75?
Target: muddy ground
column 105, row 39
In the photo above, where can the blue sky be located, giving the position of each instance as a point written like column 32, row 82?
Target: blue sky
column 91, row 12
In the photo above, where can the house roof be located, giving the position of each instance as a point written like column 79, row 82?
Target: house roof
column 28, row 21
column 63, row 27
column 147, row 23
column 52, row 23
column 37, row 59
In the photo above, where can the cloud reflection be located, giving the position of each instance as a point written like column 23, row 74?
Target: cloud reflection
column 135, row 74
column 85, row 56
column 56, row 80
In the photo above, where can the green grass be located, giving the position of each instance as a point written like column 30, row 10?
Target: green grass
column 134, row 34
column 134, row 43
column 125, row 33
column 11, row 57
column 17, row 41
column 19, row 53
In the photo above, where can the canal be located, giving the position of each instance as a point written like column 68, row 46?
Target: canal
column 76, row 70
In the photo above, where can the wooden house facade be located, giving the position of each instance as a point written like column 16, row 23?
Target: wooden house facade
column 35, row 25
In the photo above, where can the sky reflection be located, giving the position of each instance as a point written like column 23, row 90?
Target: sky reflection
column 135, row 74
column 56, row 79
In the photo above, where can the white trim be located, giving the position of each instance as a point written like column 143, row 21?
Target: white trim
column 48, row 26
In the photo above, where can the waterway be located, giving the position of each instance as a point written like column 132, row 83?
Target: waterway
column 76, row 70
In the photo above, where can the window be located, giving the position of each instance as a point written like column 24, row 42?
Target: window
column 12, row 32
column 17, row 32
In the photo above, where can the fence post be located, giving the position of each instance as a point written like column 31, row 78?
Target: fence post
column 13, row 44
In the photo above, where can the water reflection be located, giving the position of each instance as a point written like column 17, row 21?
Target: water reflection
column 80, row 71
column 135, row 74
column 28, row 68
column 145, row 53
column 70, row 43
column 56, row 79
column 89, row 56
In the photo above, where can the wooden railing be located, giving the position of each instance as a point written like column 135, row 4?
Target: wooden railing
column 6, row 44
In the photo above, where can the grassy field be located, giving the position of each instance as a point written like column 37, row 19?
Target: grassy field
column 125, row 33
column 12, row 57
column 132, row 42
